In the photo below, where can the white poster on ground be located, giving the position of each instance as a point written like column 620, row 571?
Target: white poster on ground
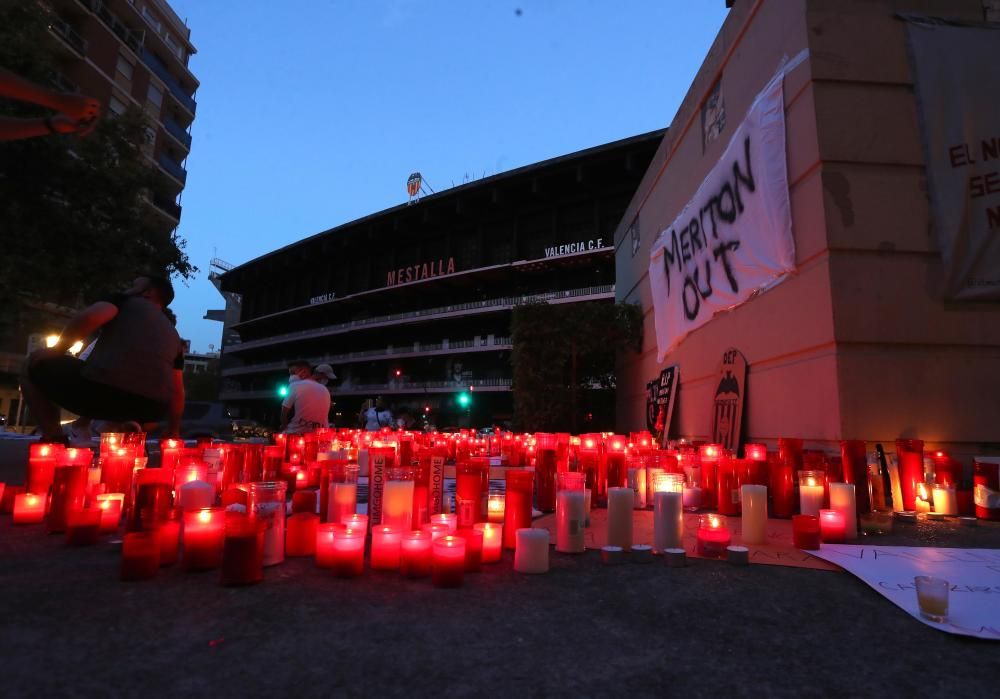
column 734, row 237
column 973, row 574
column 957, row 83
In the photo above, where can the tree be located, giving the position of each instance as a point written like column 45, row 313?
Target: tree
column 75, row 223
column 560, row 352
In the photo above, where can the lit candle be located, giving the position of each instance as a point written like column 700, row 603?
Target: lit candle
column 810, row 492
column 469, row 493
column 842, row 499
column 709, row 455
column 668, row 512
column 397, row 504
column 531, row 554
column 415, row 554
column 621, row 502
column 449, row 520
column 348, row 553
column 343, row 500
column 386, row 541
column 69, row 492
column 615, row 459
column 571, row 513
column 755, row 452
column 473, row 549
column 267, row 503
column 448, row 561
column 204, row 533
column 195, row 495
column 117, row 467
column 713, row 536
column 170, row 453
column 492, row 541
column 325, row 534
column 168, row 539
column 517, row 504
column 110, row 505
column 494, row 506
column 754, row 529
column 922, row 502
column 41, row 466
column 357, row 522
column 29, row 508
column 300, row 534
column 140, row 556
column 436, row 529
column 243, row 551
column 832, row 527
column 83, row 526
column 945, row 500
column 692, row 497
column 727, row 485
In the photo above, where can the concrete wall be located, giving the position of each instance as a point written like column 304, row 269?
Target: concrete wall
column 857, row 343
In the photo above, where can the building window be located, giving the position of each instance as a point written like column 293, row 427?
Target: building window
column 151, row 18
column 123, row 69
column 116, row 106
column 155, row 94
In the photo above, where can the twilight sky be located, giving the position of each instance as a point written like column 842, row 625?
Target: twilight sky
column 312, row 113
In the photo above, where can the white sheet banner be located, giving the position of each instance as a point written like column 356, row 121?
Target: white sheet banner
column 734, row 237
column 957, row 82
column 973, row 576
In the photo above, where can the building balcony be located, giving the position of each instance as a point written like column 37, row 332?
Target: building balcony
column 172, row 168
column 393, row 388
column 490, row 306
column 168, row 207
column 68, row 36
column 163, row 73
column 418, row 349
column 177, row 131
column 131, row 38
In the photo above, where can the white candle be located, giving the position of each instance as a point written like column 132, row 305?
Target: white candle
column 897, row 490
column 342, row 501
column 945, row 501
column 842, row 499
column 195, row 495
column 570, row 519
column 811, row 497
column 621, row 501
column 754, row 530
column 637, row 482
column 531, row 554
column 397, row 504
column 668, row 520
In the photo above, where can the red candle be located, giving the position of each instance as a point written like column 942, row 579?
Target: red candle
column 782, row 477
column 713, row 536
column 385, row 547
column 517, row 505
column 415, row 554
column 447, row 519
column 348, row 553
column 805, row 532
column 469, row 493
column 832, row 526
column 617, row 473
column 83, row 526
column 300, row 534
column 448, row 561
column 756, row 452
column 304, row 501
column 29, row 508
column 140, row 556
column 986, row 483
column 69, row 492
column 116, row 470
column 492, row 541
column 436, row 529
column 356, row 522
column 910, row 453
column 473, row 549
column 168, row 538
column 325, row 535
column 110, row 505
column 728, row 486
column 41, row 466
column 710, row 454
column 854, row 457
column 204, row 533
column 243, row 550
column 545, row 470
column 170, row 453
column 235, row 495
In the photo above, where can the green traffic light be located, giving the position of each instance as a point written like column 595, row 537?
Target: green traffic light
column 282, row 391
column 464, row 399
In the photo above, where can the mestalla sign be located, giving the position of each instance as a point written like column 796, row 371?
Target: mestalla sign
column 420, row 271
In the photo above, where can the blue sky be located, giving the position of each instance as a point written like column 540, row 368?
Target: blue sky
column 312, row 113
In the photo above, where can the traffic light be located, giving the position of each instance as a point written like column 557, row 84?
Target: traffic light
column 282, row 391
column 464, row 399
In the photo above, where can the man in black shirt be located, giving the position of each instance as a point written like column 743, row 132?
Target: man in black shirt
column 135, row 373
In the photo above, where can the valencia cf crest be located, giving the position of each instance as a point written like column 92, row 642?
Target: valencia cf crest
column 727, row 416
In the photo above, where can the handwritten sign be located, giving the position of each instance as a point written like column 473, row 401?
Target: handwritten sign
column 973, row 574
column 727, row 402
column 660, row 393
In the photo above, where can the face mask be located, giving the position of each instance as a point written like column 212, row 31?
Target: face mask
column 293, row 378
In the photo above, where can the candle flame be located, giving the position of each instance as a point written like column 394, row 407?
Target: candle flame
column 712, row 451
column 45, row 450
column 922, row 491
column 204, row 516
column 122, row 452
column 105, row 504
column 714, row 522
column 810, row 481
column 31, row 499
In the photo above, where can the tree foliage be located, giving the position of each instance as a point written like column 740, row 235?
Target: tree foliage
column 562, row 351
column 75, row 223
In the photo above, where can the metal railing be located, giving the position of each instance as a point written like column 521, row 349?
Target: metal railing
column 132, row 39
column 163, row 73
column 68, row 35
column 398, row 387
column 177, row 131
column 170, row 208
column 383, row 352
column 496, row 304
column 171, row 166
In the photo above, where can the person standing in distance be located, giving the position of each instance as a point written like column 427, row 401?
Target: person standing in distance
column 307, row 405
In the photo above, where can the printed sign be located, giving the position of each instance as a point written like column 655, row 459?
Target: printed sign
column 377, row 467
column 573, row 248
column 957, row 80
column 418, row 272
column 727, row 403
column 660, row 394
column 437, row 484
column 734, row 237
column 973, row 576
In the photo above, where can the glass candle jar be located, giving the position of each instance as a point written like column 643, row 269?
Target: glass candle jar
column 517, row 505
column 243, row 550
column 267, row 503
column 448, row 561
column 415, row 554
column 910, row 454
column 713, row 536
column 811, row 492
column 469, row 493
column 140, row 556
column 805, row 532
column 204, row 535
column 571, row 512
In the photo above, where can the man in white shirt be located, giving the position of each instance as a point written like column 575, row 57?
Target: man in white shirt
column 307, row 405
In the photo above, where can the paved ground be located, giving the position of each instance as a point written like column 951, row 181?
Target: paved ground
column 69, row 627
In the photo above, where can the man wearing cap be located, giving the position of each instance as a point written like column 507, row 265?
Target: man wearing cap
column 307, row 405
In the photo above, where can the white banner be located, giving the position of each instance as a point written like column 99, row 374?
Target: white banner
column 957, row 82
column 734, row 237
